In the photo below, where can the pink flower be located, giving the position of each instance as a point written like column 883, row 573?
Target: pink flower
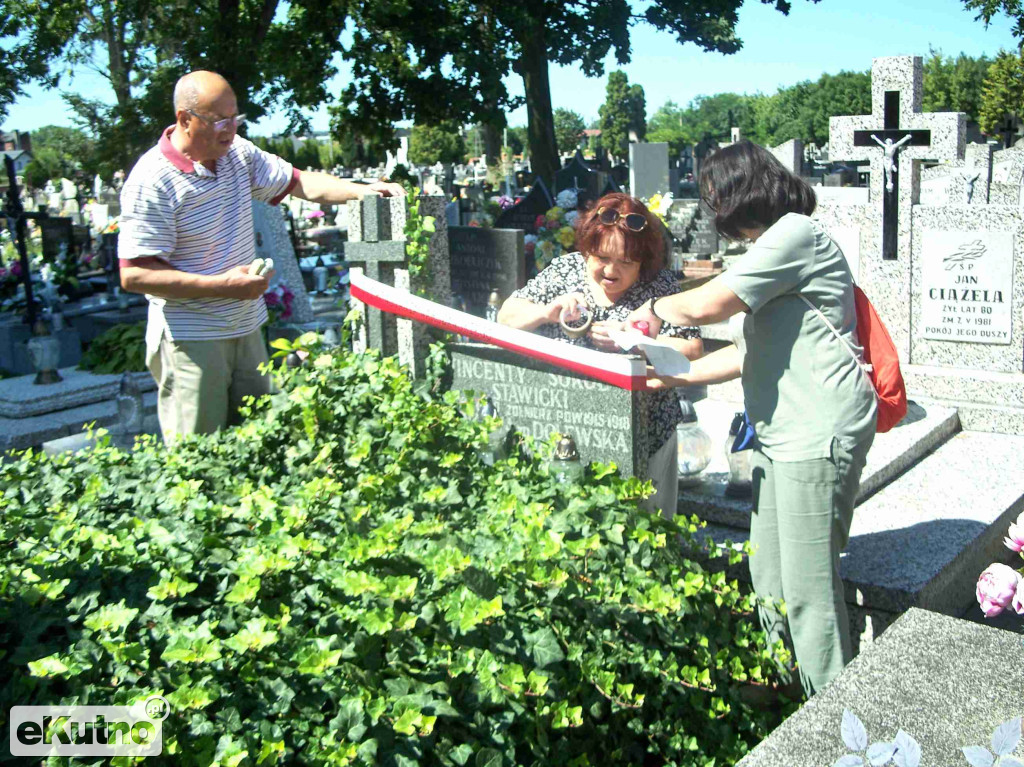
column 475, row 223
column 539, row 221
column 1018, row 598
column 315, row 214
column 997, row 587
column 1015, row 536
column 272, row 299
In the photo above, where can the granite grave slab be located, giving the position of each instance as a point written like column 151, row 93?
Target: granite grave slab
column 483, row 260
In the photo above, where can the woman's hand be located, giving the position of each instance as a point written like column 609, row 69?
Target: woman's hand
column 643, row 313
column 600, row 338
column 569, row 303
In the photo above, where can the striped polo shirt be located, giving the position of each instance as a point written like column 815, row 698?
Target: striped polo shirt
column 199, row 221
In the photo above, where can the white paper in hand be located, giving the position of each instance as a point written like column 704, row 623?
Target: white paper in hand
column 667, row 360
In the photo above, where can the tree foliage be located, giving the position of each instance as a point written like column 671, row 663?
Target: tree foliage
column 1003, row 92
column 954, row 85
column 405, row 69
column 988, row 9
column 569, row 127
column 61, row 152
column 141, row 47
column 622, row 115
column 431, row 144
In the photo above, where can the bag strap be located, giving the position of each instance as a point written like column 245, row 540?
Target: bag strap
column 849, row 347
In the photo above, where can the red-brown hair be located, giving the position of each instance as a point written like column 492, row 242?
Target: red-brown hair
column 647, row 246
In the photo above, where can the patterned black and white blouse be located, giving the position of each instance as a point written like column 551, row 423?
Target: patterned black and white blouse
column 568, row 274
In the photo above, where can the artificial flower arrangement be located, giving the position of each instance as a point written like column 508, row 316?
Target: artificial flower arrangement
column 113, row 227
column 554, row 231
column 10, row 278
column 1000, row 586
column 279, row 303
column 659, row 205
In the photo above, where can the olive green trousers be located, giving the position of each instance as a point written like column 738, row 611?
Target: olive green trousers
column 799, row 526
column 203, row 383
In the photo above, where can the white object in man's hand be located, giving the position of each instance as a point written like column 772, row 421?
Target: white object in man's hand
column 240, row 283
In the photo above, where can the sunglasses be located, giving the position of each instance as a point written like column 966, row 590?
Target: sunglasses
column 634, row 222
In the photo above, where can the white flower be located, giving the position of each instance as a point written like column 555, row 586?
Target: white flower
column 46, row 272
column 666, row 203
column 566, row 199
column 571, row 216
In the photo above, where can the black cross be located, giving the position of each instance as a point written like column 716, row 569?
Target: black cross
column 1010, row 131
column 372, row 252
column 890, row 200
column 16, row 217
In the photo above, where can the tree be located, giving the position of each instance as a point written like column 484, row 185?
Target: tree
column 954, row 85
column 569, row 127
column 60, row 152
column 430, row 144
column 1002, row 92
column 405, row 69
column 519, row 140
column 987, row 10
column 622, row 116
column 669, row 125
column 142, row 46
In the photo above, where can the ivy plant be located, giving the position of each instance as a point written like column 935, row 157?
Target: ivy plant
column 343, row 580
column 121, row 349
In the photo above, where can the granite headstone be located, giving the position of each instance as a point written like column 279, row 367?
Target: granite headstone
column 483, row 260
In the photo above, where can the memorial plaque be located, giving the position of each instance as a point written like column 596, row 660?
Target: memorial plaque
column 607, row 423
column 483, row 260
column 523, row 215
column 54, row 233
column 703, row 235
column 967, row 286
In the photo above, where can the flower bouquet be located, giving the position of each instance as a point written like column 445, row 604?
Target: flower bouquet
column 279, row 303
column 554, row 234
column 1000, row 586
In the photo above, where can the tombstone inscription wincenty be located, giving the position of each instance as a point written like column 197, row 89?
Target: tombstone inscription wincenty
column 483, row 260
column 608, row 424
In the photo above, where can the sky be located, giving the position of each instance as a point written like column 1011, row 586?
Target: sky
column 816, row 38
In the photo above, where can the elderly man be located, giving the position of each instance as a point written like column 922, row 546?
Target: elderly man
column 187, row 242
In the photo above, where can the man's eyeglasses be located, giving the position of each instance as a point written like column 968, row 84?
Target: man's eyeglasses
column 634, row 222
column 220, row 125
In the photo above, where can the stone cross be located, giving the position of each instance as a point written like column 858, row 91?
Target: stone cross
column 369, row 248
column 896, row 86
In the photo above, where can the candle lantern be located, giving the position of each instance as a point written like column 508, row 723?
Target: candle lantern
column 44, row 352
column 694, row 446
column 565, row 464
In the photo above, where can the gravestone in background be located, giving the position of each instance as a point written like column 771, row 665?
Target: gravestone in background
column 272, row 241
column 589, row 184
column 648, row 170
column 607, row 423
column 703, row 238
column 483, row 260
column 56, row 233
column 523, row 215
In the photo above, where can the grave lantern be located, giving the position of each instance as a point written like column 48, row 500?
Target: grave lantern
column 44, row 352
column 694, row 446
column 565, row 465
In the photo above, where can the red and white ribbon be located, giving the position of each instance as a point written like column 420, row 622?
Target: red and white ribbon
column 614, row 369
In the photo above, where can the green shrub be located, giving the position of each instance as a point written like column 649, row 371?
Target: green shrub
column 342, row 580
column 121, row 349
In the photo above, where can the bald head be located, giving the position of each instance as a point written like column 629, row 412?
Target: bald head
column 199, row 90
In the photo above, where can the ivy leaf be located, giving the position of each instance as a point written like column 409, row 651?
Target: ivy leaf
column 543, row 647
column 850, row 760
column 1006, row 737
column 908, row 750
column 460, row 754
column 1009, row 761
column 854, row 735
column 488, row 757
column 978, row 756
column 880, row 753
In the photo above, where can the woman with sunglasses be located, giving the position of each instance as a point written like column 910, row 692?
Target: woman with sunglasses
column 619, row 267
column 810, row 404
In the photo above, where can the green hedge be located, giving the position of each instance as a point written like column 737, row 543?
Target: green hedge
column 343, row 580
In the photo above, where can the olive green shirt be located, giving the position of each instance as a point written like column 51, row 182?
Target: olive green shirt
column 801, row 386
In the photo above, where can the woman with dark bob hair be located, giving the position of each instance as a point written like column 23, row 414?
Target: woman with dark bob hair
column 811, row 405
column 620, row 266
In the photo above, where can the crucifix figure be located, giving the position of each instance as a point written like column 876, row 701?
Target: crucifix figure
column 889, row 140
column 971, row 181
column 889, row 159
